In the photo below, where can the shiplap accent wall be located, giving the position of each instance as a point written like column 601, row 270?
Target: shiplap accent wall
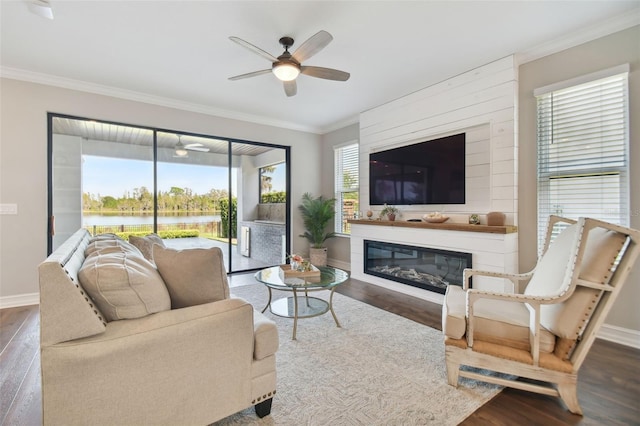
column 482, row 103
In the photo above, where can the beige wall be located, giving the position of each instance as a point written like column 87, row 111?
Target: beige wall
column 23, row 164
column 619, row 48
column 338, row 249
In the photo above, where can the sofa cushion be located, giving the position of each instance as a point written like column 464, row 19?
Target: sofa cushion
column 123, row 284
column 192, row 276
column 145, row 244
column 104, row 246
column 107, row 236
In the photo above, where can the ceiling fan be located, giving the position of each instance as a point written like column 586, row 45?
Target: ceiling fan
column 287, row 66
column 182, row 150
column 41, row 8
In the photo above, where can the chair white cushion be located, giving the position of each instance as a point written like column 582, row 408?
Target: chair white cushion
column 496, row 321
column 454, row 324
column 568, row 319
column 549, row 274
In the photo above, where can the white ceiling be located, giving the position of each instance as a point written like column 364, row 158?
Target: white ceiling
column 178, row 53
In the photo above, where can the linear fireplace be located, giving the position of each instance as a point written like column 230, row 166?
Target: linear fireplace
column 423, row 267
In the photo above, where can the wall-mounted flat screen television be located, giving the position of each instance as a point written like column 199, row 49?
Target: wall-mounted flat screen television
column 430, row 172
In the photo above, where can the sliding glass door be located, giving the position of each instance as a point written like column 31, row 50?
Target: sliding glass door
column 193, row 190
column 101, row 178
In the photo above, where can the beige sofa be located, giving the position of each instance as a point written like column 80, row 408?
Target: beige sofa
column 115, row 348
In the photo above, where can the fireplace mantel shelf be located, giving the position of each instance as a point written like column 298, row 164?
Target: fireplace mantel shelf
column 507, row 229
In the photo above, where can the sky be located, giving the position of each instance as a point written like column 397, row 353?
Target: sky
column 114, row 176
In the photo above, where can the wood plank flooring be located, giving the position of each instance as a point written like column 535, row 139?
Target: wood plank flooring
column 608, row 387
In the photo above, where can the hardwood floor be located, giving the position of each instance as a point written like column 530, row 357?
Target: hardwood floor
column 608, row 387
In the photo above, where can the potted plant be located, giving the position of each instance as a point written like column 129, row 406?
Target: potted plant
column 317, row 213
column 390, row 212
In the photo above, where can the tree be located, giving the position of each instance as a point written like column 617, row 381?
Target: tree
column 228, row 217
column 265, row 179
column 348, row 180
column 109, row 203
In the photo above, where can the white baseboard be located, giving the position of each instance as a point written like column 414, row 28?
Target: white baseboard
column 623, row 336
column 19, row 300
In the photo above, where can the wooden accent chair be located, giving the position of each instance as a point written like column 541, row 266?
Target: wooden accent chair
column 545, row 332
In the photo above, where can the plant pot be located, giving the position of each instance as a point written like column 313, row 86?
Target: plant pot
column 318, row 256
column 391, row 217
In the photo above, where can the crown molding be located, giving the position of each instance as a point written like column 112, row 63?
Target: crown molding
column 340, row 124
column 114, row 92
column 601, row 29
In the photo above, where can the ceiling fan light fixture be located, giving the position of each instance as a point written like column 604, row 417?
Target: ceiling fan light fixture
column 181, row 151
column 286, row 71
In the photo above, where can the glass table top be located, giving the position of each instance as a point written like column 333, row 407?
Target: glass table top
column 329, row 277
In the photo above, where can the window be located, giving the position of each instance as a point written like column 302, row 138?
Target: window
column 272, row 189
column 346, row 172
column 583, row 149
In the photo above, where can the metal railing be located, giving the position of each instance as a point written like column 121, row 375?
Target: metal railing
column 211, row 229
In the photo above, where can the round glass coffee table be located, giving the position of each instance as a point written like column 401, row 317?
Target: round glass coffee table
column 300, row 304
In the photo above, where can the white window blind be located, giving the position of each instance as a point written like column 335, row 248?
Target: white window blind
column 582, row 139
column 346, row 186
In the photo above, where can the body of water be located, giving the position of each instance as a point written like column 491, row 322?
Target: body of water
column 99, row 219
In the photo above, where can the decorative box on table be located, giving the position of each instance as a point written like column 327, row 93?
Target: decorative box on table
column 287, row 273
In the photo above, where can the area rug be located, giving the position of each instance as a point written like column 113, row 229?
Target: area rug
column 377, row 369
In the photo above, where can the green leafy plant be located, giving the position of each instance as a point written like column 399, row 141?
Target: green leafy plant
column 389, row 209
column 316, row 215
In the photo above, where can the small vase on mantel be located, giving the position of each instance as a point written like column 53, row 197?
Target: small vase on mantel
column 391, row 217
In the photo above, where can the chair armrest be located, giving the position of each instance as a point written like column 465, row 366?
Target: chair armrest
column 531, row 302
column 514, row 278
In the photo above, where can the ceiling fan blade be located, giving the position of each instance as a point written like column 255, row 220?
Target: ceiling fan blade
column 250, row 74
column 326, row 73
column 290, row 88
column 253, row 48
column 312, row 45
column 196, row 147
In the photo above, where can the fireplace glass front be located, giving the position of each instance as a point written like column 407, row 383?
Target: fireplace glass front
column 423, row 267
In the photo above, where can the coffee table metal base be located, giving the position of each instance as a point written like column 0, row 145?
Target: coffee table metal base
column 300, row 306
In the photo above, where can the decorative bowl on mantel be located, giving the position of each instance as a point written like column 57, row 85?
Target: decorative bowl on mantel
column 435, row 218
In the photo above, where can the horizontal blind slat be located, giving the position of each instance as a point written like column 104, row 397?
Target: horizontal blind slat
column 582, row 151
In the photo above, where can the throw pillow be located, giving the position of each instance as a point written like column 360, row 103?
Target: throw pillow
column 123, row 285
column 110, row 246
column 192, row 276
column 145, row 244
column 108, row 236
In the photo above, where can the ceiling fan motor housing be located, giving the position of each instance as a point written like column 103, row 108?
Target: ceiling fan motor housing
column 286, row 42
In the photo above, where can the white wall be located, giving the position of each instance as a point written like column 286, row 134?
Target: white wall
column 481, row 102
column 23, row 165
